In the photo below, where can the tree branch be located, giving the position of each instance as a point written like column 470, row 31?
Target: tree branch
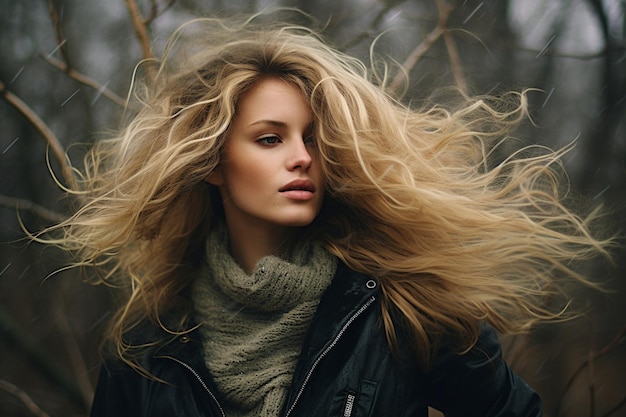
column 44, row 130
column 73, row 349
column 155, row 12
column 28, row 205
column 85, row 80
column 65, row 65
column 618, row 340
column 373, row 27
column 61, row 41
column 445, row 10
column 11, row 334
column 453, row 52
column 24, row 397
column 141, row 29
column 615, row 408
column 455, row 62
column 560, row 54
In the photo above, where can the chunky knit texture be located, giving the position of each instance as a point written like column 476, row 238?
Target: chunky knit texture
column 253, row 326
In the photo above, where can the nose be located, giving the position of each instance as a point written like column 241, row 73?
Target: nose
column 300, row 156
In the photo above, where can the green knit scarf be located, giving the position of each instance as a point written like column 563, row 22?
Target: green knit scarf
column 253, row 326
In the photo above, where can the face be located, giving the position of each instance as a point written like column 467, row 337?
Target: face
column 270, row 176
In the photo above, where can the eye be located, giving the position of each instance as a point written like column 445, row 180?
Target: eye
column 269, row 140
column 309, row 140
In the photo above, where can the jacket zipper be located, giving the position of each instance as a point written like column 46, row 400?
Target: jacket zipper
column 327, row 350
column 200, row 380
column 308, row 375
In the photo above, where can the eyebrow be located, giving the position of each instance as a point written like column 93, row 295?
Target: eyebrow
column 275, row 123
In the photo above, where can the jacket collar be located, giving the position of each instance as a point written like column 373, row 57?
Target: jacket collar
column 347, row 294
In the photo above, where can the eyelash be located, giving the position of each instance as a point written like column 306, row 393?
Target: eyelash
column 264, row 140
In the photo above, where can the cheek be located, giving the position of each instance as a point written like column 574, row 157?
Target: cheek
column 318, row 174
column 246, row 175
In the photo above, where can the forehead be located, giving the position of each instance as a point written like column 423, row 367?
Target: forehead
column 272, row 98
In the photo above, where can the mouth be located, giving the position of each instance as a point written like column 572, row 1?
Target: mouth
column 299, row 185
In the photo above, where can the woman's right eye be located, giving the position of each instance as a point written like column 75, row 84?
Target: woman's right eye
column 269, row 140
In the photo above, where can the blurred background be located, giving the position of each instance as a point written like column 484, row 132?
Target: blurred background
column 65, row 68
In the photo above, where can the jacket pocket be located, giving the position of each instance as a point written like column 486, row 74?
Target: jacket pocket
column 359, row 403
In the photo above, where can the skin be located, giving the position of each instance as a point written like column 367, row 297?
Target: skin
column 270, row 178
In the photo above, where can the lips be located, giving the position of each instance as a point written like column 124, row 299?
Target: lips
column 299, row 185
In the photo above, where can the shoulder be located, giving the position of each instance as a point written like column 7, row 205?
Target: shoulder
column 349, row 294
column 147, row 377
column 351, row 284
column 171, row 334
column 486, row 350
column 481, row 380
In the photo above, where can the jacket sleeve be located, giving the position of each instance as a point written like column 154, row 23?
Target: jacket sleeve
column 480, row 383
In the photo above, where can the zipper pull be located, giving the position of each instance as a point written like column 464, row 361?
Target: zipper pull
column 349, row 404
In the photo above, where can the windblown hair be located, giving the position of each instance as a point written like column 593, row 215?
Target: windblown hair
column 415, row 196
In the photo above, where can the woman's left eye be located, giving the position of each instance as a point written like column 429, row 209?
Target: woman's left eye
column 269, row 140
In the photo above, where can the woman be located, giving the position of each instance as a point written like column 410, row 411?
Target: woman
column 297, row 242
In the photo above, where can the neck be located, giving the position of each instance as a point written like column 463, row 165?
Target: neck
column 249, row 245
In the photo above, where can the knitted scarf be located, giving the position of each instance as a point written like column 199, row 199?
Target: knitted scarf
column 253, row 326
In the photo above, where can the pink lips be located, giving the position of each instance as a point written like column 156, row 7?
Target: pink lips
column 299, row 189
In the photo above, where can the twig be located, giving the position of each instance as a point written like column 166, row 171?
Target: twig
column 14, row 336
column 61, row 41
column 21, row 204
column 65, row 65
column 372, row 27
column 455, row 62
column 591, row 373
column 24, row 397
column 141, row 29
column 619, row 339
column 83, row 79
column 445, row 10
column 44, row 130
column 155, row 12
column 560, row 54
column 616, row 408
column 75, row 356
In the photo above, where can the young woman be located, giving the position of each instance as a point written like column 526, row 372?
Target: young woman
column 295, row 242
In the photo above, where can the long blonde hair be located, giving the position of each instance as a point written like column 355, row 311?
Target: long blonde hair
column 415, row 197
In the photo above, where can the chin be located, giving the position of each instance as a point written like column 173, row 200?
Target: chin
column 300, row 218
column 299, row 223
column 302, row 221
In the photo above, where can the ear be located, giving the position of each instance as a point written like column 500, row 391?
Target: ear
column 215, row 177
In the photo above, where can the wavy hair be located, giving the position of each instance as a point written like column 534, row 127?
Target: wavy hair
column 415, row 196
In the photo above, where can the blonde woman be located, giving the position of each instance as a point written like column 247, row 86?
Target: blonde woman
column 295, row 242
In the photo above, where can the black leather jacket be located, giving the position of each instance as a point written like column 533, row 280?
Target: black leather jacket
column 345, row 369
